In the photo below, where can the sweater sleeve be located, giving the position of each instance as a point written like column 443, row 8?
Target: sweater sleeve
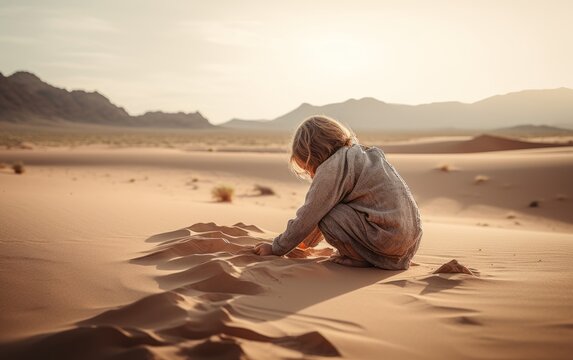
column 331, row 182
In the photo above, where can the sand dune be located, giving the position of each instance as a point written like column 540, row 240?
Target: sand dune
column 88, row 278
column 196, row 305
column 482, row 143
column 514, row 179
column 233, row 304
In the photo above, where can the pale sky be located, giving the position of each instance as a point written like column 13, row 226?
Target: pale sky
column 260, row 59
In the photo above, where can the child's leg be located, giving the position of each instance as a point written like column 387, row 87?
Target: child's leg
column 342, row 238
column 345, row 260
column 346, row 254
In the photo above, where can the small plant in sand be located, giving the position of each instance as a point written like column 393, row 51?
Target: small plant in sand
column 561, row 197
column 444, row 168
column 511, row 216
column 18, row 168
column 223, row 193
column 534, row 204
column 481, row 179
column 264, row 190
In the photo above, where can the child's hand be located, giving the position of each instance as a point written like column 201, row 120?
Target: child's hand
column 263, row 249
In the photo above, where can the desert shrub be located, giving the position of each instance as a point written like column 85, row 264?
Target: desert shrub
column 444, row 168
column 223, row 193
column 480, row 179
column 18, row 168
column 534, row 204
column 264, row 190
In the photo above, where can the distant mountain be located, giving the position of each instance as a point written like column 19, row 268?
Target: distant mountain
column 172, row 120
column 549, row 107
column 25, row 98
column 244, row 124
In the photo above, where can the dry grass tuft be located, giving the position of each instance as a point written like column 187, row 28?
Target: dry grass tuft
column 223, row 193
column 264, row 190
column 445, row 168
column 534, row 204
column 561, row 197
column 481, row 179
column 18, row 168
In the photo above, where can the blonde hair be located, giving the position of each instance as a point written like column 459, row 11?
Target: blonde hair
column 315, row 140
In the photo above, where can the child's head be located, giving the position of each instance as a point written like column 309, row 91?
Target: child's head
column 315, row 140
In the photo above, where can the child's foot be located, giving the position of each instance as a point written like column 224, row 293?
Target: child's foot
column 345, row 260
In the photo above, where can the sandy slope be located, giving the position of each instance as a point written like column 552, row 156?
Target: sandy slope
column 477, row 144
column 81, row 262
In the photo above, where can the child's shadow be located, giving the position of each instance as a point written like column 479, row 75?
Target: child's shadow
column 208, row 259
column 214, row 284
column 216, row 296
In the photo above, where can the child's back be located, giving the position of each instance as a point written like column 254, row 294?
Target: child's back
column 357, row 201
column 362, row 207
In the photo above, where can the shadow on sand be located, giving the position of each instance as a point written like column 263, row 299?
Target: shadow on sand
column 217, row 298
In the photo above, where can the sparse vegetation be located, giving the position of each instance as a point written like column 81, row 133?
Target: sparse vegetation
column 264, row 190
column 511, row 216
column 561, row 197
column 223, row 193
column 3, row 165
column 192, row 182
column 18, row 168
column 444, row 168
column 534, row 204
column 481, row 179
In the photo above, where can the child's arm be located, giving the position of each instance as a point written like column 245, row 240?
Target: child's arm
column 330, row 184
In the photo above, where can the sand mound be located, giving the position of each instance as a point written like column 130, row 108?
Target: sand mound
column 198, row 314
column 453, row 267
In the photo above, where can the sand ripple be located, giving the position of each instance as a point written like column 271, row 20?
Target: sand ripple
column 196, row 314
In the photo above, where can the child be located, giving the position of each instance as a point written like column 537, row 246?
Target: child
column 356, row 201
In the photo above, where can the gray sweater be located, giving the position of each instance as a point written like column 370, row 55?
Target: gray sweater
column 357, row 199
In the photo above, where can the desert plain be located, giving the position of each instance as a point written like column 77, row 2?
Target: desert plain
column 121, row 252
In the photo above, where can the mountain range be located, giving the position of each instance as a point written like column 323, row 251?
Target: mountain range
column 535, row 107
column 25, row 99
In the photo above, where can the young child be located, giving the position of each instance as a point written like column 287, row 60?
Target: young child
column 356, row 201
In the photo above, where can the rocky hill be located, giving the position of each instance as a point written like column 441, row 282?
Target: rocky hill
column 25, row 98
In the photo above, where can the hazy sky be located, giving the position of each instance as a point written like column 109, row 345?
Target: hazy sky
column 260, row 59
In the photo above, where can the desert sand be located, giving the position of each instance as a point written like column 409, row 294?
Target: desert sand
column 122, row 253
